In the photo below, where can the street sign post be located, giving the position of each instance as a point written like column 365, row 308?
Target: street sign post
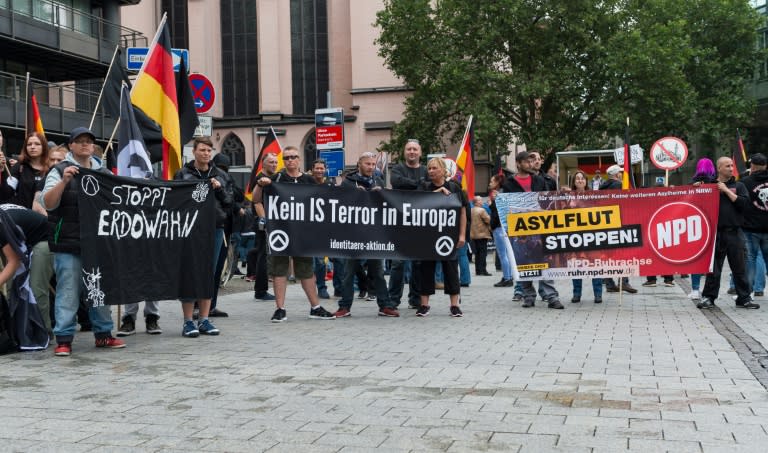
column 135, row 56
column 334, row 161
column 202, row 92
column 329, row 128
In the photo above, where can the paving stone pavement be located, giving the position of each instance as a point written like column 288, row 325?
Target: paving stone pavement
column 648, row 374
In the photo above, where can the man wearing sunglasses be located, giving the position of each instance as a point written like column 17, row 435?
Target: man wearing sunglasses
column 279, row 265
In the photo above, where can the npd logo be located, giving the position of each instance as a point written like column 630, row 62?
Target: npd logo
column 678, row 232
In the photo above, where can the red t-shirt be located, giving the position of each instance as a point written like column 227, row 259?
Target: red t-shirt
column 524, row 182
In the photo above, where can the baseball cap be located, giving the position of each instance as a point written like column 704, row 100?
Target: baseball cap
column 78, row 131
column 522, row 155
column 614, row 170
column 758, row 159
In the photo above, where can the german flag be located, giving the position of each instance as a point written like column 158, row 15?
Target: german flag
column 465, row 159
column 270, row 146
column 34, row 122
column 154, row 93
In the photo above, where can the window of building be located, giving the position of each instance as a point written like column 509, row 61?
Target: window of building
column 239, row 58
column 234, row 148
column 309, row 55
column 177, row 19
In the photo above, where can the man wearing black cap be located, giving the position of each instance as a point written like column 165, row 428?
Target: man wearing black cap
column 59, row 198
column 755, row 225
column 526, row 180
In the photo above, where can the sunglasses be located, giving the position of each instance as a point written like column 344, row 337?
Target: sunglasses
column 290, row 157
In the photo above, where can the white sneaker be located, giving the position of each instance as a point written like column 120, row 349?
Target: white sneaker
column 694, row 295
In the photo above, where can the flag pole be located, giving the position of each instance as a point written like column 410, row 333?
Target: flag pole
column 98, row 100
column 26, row 109
column 111, row 138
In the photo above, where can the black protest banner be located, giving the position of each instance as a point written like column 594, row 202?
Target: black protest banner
column 306, row 220
column 145, row 240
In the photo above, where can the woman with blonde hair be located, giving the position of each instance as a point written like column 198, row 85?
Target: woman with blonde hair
column 438, row 182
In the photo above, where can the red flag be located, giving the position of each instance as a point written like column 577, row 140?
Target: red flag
column 739, row 157
column 34, row 122
column 154, row 93
column 465, row 159
column 270, row 146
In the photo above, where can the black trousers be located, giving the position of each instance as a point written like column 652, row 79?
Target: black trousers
column 481, row 253
column 730, row 244
column 257, row 263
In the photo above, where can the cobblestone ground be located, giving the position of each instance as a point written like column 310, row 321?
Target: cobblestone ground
column 647, row 373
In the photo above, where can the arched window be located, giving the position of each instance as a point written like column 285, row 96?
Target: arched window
column 234, row 148
column 310, row 147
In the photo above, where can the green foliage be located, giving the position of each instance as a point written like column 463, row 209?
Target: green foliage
column 557, row 75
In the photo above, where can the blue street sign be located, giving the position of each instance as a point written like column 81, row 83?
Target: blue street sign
column 334, row 161
column 135, row 56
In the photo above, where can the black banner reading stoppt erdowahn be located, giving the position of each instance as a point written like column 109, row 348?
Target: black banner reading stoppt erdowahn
column 145, row 240
column 305, row 220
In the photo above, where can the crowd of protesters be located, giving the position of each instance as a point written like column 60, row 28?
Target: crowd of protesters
column 39, row 188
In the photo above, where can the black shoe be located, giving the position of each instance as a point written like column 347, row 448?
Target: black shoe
column 127, row 328
column 216, row 313
column 483, row 274
column 529, row 303
column 503, row 283
column 612, row 289
column 759, row 293
column 279, row 316
column 464, row 285
column 748, row 305
column 320, row 313
column 263, row 296
column 362, row 295
column 575, row 299
column 153, row 328
column 705, row 304
column 555, row 304
column 629, row 289
column 598, row 300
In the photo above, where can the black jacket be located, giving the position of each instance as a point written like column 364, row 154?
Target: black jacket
column 223, row 194
column 356, row 180
column 538, row 184
column 404, row 177
column 756, row 214
column 611, row 184
column 731, row 214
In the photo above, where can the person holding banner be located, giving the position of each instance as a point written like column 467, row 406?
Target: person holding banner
column 279, row 265
column 501, row 241
column 257, row 256
column 407, row 175
column 729, row 242
column 319, row 173
column 59, row 197
column 201, row 168
column 527, row 180
column 364, row 179
column 438, row 182
column 614, row 183
column 580, row 184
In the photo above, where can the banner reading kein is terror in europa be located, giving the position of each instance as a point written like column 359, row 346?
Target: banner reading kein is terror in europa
column 145, row 240
column 306, row 220
column 611, row 233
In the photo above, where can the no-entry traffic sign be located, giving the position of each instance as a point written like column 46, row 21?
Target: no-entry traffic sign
column 202, row 92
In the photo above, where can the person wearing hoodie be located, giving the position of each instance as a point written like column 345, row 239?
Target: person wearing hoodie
column 365, row 179
column 59, row 198
column 755, row 225
column 730, row 241
column 201, row 168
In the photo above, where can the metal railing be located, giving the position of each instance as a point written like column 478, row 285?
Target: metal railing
column 66, row 17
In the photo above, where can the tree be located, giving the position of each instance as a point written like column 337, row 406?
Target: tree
column 553, row 74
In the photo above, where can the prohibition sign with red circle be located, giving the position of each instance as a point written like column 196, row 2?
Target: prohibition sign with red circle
column 669, row 153
column 202, row 92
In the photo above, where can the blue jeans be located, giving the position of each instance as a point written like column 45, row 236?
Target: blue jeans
column 503, row 247
column 597, row 287
column 757, row 250
column 69, row 288
column 465, row 276
column 695, row 281
column 321, row 269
